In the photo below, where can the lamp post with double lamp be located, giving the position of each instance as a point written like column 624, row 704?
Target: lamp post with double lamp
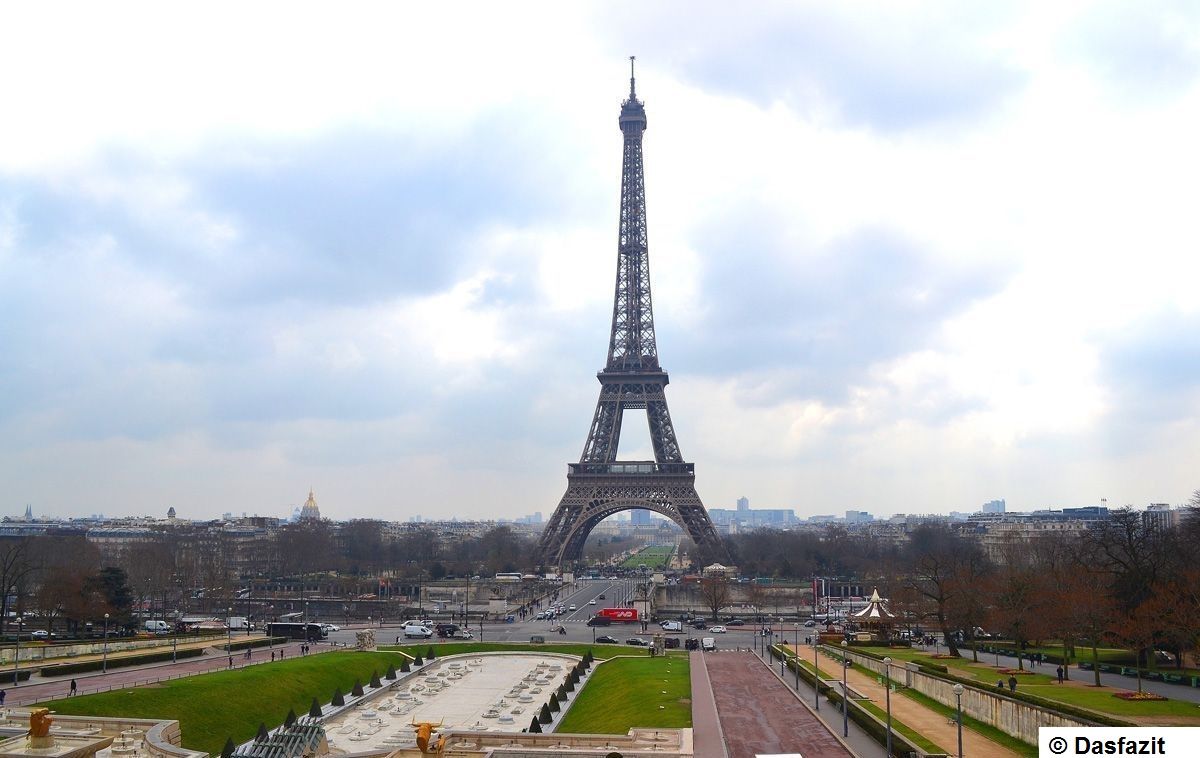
column 229, row 632
column 17, row 657
column 958, row 691
column 845, row 693
column 104, row 660
column 887, row 673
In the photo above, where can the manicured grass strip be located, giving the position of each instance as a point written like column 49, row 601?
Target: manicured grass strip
column 633, row 692
column 212, row 707
column 991, row 732
column 912, row 736
column 653, row 557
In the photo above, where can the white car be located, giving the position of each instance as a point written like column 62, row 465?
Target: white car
column 572, row 606
column 40, row 634
column 717, row 629
column 591, row 602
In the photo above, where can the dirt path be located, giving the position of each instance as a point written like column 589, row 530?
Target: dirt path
column 930, row 724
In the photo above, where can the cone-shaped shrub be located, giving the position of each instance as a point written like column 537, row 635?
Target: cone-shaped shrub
column 375, row 680
column 545, row 716
column 534, row 727
column 230, row 747
column 314, row 710
column 338, row 699
column 358, row 690
column 429, row 654
column 418, row 661
column 404, row 666
column 569, row 686
column 562, row 693
column 554, row 706
column 574, row 677
column 263, row 735
column 391, row 672
column 291, row 718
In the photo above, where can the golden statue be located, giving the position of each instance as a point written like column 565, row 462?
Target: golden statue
column 39, row 722
column 424, row 732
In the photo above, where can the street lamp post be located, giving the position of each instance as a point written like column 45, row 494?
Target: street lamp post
column 887, row 668
column 816, row 675
column 17, row 657
column 104, row 660
column 845, row 694
column 958, row 691
column 174, row 651
column 228, row 632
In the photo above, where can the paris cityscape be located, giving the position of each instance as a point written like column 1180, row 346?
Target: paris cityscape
column 302, row 315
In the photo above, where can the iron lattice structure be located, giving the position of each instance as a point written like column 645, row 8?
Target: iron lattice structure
column 600, row 485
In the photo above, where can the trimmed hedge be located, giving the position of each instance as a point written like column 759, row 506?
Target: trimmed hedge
column 869, row 723
column 253, row 643
column 63, row 669
column 22, row 675
column 941, row 672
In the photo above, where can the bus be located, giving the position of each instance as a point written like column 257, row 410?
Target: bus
column 514, row 576
column 310, row 632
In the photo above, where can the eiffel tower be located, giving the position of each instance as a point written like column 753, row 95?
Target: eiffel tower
column 600, row 485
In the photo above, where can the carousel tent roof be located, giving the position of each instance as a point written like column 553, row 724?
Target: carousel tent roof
column 874, row 610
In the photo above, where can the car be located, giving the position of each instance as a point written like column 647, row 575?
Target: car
column 717, row 629
column 572, row 607
column 591, row 602
column 40, row 634
column 604, row 639
column 463, row 634
column 671, row 642
column 603, row 596
column 691, row 643
column 537, row 639
column 708, row 643
column 446, row 630
column 810, row 622
column 735, row 622
column 599, row 621
column 541, row 616
column 699, row 624
column 637, row 641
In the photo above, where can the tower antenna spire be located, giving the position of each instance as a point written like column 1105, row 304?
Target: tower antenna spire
column 632, row 88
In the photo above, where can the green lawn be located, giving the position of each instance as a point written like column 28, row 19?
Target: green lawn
column 1044, row 685
column 213, row 707
column 653, row 556
column 633, row 692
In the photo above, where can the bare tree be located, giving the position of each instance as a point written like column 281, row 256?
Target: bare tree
column 714, row 591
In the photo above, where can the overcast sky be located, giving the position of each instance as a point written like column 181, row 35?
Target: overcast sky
column 906, row 257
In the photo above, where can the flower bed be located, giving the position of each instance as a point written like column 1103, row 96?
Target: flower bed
column 1138, row 696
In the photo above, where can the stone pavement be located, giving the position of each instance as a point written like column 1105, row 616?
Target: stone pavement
column 707, row 739
column 760, row 714
column 930, row 724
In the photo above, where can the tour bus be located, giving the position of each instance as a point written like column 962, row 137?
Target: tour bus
column 310, row 632
column 513, row 576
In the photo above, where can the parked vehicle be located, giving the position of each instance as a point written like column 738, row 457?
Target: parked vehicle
column 735, row 622
column 672, row 626
column 417, row 631
column 638, row 641
column 537, row 639
column 236, row 623
column 671, row 642
column 157, row 627
column 297, row 630
column 604, row 639
column 40, row 634
column 708, row 644
column 691, row 643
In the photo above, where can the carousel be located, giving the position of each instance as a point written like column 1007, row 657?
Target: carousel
column 874, row 620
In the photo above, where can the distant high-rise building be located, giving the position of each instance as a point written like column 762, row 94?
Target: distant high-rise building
column 993, row 506
column 743, row 504
column 1159, row 516
column 858, row 517
column 639, row 516
column 310, row 511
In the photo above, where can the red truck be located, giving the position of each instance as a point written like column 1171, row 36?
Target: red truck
column 625, row 615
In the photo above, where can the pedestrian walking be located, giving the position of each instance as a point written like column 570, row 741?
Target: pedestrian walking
column 1059, row 671
column 272, row 656
column 281, row 655
column 1012, row 684
column 231, row 661
column 2, row 693
column 74, row 687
